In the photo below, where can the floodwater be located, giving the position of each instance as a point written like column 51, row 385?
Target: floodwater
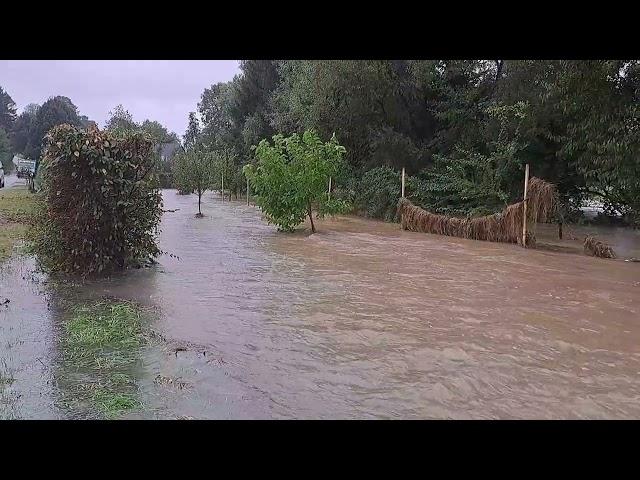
column 360, row 320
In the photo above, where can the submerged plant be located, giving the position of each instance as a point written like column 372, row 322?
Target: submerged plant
column 101, row 349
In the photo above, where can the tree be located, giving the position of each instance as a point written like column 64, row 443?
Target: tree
column 193, row 171
column 7, row 111
column 5, row 151
column 158, row 132
column 192, row 134
column 291, row 178
column 120, row 121
column 53, row 112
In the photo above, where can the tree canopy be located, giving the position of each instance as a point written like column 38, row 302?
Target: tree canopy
column 463, row 128
column 291, row 178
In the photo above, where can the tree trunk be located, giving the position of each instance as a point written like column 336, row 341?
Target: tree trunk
column 560, row 230
column 199, row 199
column 313, row 227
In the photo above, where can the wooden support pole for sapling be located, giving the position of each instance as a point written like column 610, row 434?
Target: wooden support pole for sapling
column 247, row 191
column 329, row 192
column 524, row 206
column 222, row 188
column 402, row 195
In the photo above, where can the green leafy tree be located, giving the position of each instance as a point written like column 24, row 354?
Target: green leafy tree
column 194, row 171
column 55, row 111
column 22, row 128
column 5, row 151
column 192, row 135
column 290, row 178
column 157, row 132
column 120, row 121
column 7, row 111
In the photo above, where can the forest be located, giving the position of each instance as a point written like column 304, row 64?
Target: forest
column 462, row 129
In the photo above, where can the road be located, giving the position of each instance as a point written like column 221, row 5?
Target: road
column 12, row 181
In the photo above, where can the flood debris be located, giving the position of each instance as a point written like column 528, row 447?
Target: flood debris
column 596, row 248
column 171, row 381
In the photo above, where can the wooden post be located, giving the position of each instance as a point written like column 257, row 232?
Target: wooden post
column 524, row 206
column 247, row 191
column 222, row 188
column 402, row 195
column 329, row 193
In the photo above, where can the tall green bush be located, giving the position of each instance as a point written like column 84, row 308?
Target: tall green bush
column 101, row 205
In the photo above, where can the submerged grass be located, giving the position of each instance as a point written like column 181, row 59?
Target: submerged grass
column 101, row 349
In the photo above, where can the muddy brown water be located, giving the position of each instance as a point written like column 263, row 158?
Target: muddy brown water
column 360, row 320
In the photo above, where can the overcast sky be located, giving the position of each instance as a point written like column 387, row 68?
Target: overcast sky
column 162, row 90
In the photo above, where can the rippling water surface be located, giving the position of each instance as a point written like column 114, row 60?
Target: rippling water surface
column 360, row 320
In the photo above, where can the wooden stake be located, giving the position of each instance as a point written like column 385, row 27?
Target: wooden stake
column 222, row 189
column 329, row 193
column 402, row 215
column 247, row 191
column 524, row 208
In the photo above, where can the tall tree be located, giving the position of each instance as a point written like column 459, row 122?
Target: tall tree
column 5, row 151
column 22, row 128
column 7, row 111
column 192, row 134
column 55, row 111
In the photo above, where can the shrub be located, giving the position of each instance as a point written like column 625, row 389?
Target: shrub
column 101, row 205
column 378, row 192
column 291, row 178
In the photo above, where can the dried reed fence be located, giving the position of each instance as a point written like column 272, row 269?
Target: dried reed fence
column 505, row 226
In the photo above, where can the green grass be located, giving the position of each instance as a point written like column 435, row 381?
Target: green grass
column 102, row 324
column 17, row 206
column 101, row 349
column 112, row 404
column 10, row 235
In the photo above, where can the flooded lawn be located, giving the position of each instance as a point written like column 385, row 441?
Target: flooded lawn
column 361, row 320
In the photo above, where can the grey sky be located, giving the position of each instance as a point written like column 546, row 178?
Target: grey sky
column 162, row 90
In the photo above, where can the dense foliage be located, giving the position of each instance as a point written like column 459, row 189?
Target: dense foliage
column 101, row 206
column 5, row 152
column 7, row 111
column 291, row 178
column 55, row 111
column 463, row 129
column 194, row 171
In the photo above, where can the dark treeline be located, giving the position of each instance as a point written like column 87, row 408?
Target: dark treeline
column 462, row 129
